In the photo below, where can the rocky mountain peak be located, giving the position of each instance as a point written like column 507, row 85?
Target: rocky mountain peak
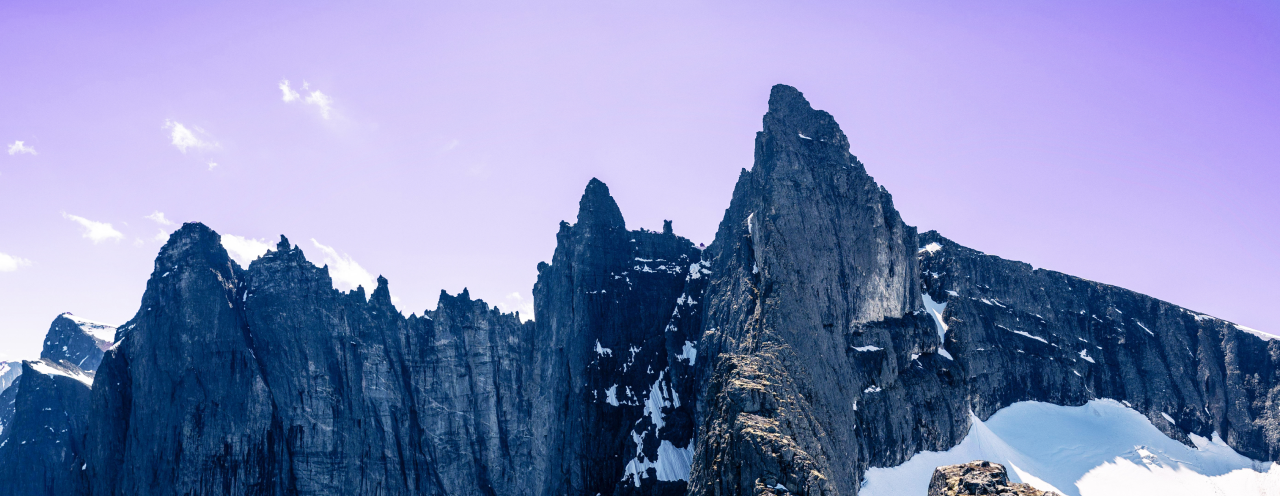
column 77, row 341
column 792, row 120
column 283, row 245
column 598, row 209
column 192, row 244
column 381, row 295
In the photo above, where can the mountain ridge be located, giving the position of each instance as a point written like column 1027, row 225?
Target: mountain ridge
column 819, row 336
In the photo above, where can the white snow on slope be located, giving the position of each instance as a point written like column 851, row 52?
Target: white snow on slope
column 41, row 367
column 1099, row 449
column 104, row 333
column 1264, row 336
column 935, row 309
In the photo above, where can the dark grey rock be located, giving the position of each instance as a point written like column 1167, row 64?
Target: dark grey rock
column 811, row 323
column 42, row 450
column 1019, row 334
column 618, row 312
column 78, row 341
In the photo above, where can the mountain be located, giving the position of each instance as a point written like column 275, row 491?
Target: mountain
column 818, row 341
column 43, row 414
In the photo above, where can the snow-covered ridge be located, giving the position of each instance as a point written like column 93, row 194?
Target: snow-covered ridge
column 1099, row 449
column 105, row 333
column 47, row 369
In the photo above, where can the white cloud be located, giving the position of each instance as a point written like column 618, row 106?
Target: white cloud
column 96, row 231
column 212, row 165
column 244, row 250
column 346, row 273
column 320, row 100
column 515, row 302
column 17, row 147
column 289, row 94
column 184, row 138
column 158, row 218
column 315, row 97
column 10, row 263
column 161, row 236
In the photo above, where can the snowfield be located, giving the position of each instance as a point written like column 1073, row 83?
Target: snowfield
column 1099, row 449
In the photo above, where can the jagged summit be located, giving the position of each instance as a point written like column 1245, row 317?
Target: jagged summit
column 597, row 207
column 791, row 114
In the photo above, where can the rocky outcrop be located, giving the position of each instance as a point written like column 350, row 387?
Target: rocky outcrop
column 812, row 326
column 979, row 478
column 618, row 312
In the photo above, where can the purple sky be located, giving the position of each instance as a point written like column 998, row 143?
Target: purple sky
column 1130, row 143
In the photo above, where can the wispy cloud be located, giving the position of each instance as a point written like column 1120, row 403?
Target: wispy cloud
column 158, row 218
column 185, row 139
column 346, row 273
column 515, row 302
column 95, row 231
column 289, row 94
column 314, row 97
column 244, row 250
column 10, row 263
column 19, row 148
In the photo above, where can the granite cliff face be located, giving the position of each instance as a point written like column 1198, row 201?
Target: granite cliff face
column 617, row 311
column 818, row 336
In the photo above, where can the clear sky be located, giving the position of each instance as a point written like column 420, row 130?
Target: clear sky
column 440, row 143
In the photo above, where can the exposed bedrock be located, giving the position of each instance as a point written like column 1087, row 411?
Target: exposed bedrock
column 825, row 355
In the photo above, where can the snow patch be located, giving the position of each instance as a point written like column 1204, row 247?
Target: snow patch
column 1023, row 333
column 104, row 333
column 1264, row 336
column 46, row 369
column 1084, row 354
column 1099, row 449
column 611, row 395
column 689, row 352
column 935, row 310
column 868, row 348
column 931, row 248
column 602, row 351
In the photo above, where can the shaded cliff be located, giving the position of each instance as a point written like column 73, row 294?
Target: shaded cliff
column 617, row 313
column 44, row 413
